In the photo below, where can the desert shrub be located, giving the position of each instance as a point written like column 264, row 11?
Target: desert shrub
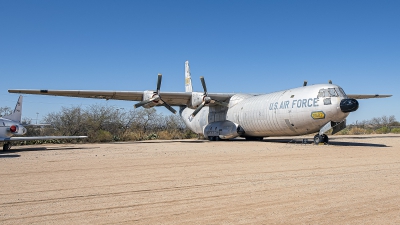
column 132, row 136
column 152, row 136
column 165, row 135
column 357, row 131
column 369, row 131
column 382, row 130
column 395, row 130
column 102, row 136
column 345, row 131
column 188, row 134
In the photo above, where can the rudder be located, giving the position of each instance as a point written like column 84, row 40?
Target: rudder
column 188, row 78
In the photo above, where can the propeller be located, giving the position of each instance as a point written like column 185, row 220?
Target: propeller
column 156, row 98
column 206, row 99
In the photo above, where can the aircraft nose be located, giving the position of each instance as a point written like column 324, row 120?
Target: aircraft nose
column 348, row 105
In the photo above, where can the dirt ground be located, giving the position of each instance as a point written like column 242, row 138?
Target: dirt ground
column 354, row 180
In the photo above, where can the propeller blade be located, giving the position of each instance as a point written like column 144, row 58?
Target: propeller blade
column 169, row 107
column 159, row 83
column 198, row 109
column 142, row 103
column 204, row 85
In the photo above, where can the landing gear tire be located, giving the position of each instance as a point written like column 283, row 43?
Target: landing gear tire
column 325, row 138
column 321, row 139
column 214, row 138
column 317, row 139
column 6, row 146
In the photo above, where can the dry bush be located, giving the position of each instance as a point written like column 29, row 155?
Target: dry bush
column 356, row 131
column 395, row 130
column 382, row 130
column 132, row 136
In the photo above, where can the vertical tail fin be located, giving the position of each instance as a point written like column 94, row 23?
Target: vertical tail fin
column 188, row 79
column 16, row 115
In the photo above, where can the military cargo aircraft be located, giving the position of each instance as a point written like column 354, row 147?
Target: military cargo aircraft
column 11, row 126
column 298, row 111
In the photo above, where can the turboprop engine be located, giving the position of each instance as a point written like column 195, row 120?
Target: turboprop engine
column 153, row 98
column 222, row 130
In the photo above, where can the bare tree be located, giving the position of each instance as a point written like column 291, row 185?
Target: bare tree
column 5, row 111
column 70, row 121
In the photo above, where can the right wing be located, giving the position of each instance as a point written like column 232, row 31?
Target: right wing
column 172, row 98
column 367, row 96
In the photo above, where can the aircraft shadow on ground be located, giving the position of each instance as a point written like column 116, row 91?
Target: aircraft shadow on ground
column 284, row 141
column 342, row 143
column 169, row 141
column 368, row 137
column 334, row 143
column 3, row 156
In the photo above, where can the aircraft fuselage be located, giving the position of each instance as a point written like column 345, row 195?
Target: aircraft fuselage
column 295, row 111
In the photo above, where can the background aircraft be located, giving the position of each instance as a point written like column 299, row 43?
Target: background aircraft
column 298, row 111
column 11, row 126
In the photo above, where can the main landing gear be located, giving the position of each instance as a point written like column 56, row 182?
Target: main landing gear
column 214, row 138
column 321, row 139
column 6, row 146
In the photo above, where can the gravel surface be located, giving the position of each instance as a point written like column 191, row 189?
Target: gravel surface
column 354, row 180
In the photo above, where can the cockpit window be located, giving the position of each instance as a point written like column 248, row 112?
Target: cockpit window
column 332, row 92
column 323, row 93
column 342, row 92
column 326, row 93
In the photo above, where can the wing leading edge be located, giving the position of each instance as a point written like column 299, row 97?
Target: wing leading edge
column 367, row 96
column 173, row 98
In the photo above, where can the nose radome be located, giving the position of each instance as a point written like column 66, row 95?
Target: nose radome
column 349, row 105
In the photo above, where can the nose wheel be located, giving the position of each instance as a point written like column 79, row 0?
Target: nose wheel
column 321, row 139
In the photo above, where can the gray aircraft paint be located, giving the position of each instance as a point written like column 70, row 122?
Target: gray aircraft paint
column 255, row 115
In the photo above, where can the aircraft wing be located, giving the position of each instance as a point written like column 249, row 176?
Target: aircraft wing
column 172, row 98
column 39, row 138
column 368, row 96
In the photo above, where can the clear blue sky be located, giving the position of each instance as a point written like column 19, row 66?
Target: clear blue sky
column 238, row 46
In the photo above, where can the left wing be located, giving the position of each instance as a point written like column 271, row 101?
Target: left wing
column 367, row 96
column 40, row 138
column 172, row 98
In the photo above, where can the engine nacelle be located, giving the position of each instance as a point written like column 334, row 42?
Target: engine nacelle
column 223, row 129
column 147, row 95
column 195, row 100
